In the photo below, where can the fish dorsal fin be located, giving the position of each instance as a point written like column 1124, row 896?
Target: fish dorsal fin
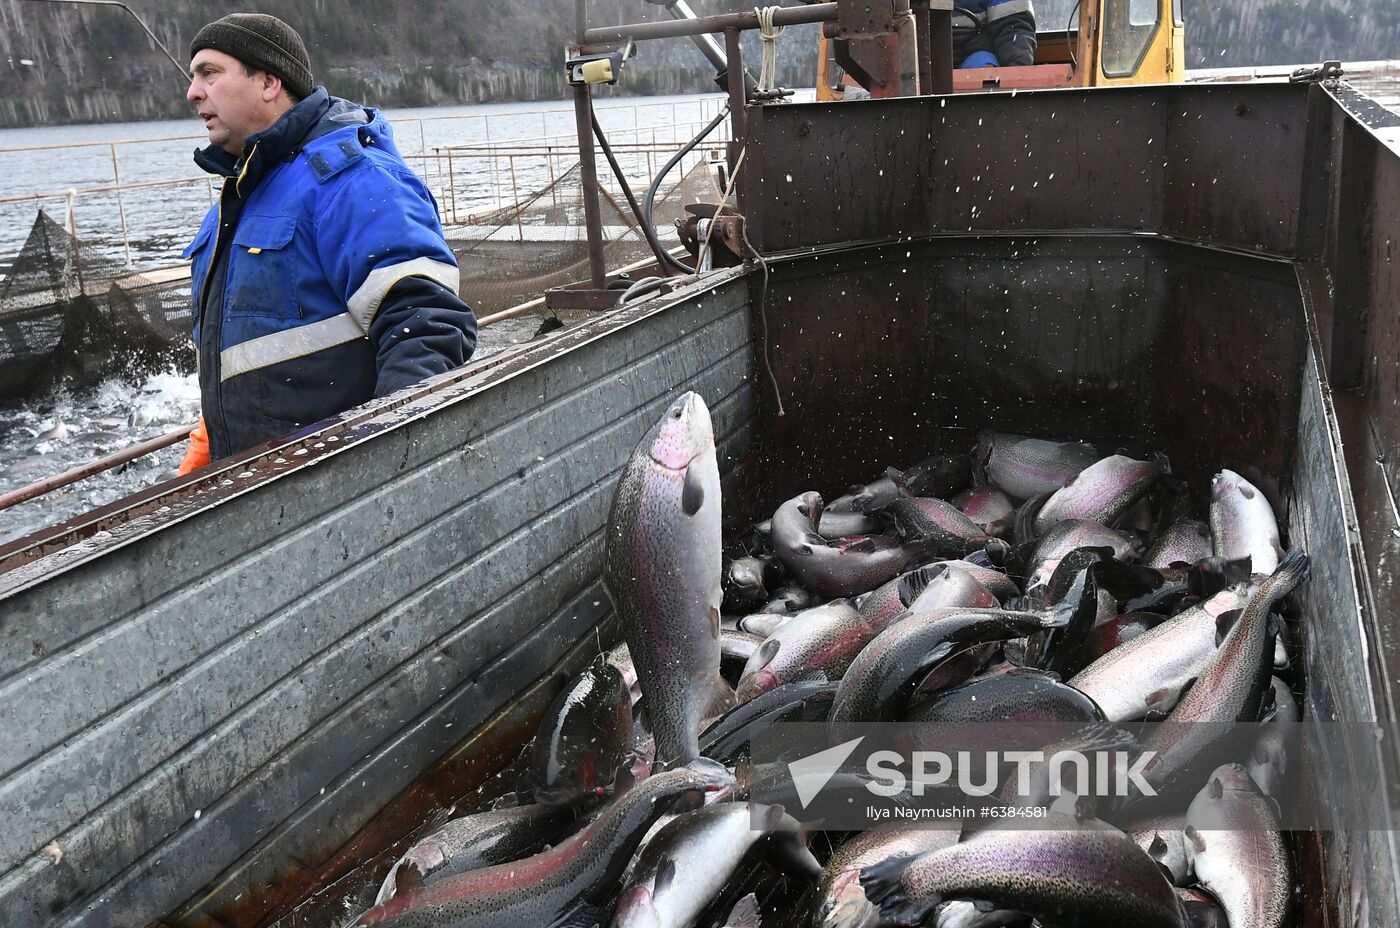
column 912, row 585
column 1158, row 848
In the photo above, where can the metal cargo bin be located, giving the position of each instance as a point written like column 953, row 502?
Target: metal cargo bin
column 296, row 645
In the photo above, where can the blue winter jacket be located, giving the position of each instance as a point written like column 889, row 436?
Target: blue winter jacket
column 321, row 278
column 1004, row 28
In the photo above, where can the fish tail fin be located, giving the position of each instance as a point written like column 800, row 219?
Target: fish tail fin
column 390, row 888
column 883, row 883
column 1291, row 571
column 1210, row 575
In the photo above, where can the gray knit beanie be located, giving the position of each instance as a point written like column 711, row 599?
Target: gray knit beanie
column 263, row 42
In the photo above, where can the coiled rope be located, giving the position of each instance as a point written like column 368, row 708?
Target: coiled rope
column 768, row 72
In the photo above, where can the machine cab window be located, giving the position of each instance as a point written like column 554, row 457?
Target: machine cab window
column 1128, row 29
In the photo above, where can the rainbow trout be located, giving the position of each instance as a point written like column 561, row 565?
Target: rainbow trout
column 1089, row 873
column 1232, row 834
column 573, row 880
column 687, row 864
column 662, row 567
column 840, row 899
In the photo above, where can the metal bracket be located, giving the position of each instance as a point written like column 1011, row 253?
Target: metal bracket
column 875, row 43
column 1327, row 71
column 598, row 67
column 579, row 298
column 726, row 230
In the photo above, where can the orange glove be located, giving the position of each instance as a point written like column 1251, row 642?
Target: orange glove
column 197, row 455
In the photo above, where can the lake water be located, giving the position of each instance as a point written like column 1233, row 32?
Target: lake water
column 160, row 220
column 63, row 429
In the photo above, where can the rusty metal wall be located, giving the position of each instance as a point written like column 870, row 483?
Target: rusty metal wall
column 1220, row 163
column 1343, row 648
column 1360, row 292
column 193, row 710
column 888, row 354
column 825, row 173
column 1235, row 164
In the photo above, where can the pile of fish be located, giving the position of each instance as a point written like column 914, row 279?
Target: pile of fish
column 1027, row 580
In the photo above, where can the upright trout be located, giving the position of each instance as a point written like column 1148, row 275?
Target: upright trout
column 662, row 570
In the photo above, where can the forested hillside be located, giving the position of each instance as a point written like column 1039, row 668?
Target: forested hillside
column 66, row 63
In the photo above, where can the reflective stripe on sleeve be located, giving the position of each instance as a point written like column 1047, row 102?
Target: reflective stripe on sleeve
column 364, row 303
column 996, row 9
column 288, row 345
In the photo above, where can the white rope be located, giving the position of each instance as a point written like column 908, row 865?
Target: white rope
column 768, row 72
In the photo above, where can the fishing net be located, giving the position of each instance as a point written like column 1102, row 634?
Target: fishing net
column 69, row 313
column 515, row 253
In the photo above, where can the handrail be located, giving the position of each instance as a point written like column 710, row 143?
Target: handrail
column 131, row 453
column 107, row 188
column 52, row 146
column 403, row 120
column 83, row 471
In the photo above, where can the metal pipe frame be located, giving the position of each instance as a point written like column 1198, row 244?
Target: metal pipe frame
column 785, row 16
column 588, row 166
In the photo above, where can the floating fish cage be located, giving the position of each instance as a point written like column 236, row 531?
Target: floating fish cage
column 231, row 699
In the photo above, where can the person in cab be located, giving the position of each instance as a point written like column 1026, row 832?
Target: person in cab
column 993, row 33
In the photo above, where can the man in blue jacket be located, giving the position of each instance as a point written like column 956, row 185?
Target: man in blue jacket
column 988, row 33
column 321, row 278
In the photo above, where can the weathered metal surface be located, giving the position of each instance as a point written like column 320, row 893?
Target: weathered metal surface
column 1234, row 164
column 1380, row 369
column 334, row 630
column 1347, row 646
column 888, row 354
column 1041, row 160
column 1183, row 161
column 473, row 774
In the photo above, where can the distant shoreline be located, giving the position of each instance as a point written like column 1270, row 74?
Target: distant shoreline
column 404, row 89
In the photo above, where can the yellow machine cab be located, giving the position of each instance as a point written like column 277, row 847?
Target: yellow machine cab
column 1080, row 43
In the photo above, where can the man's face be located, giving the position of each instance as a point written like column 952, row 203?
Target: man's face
column 232, row 104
